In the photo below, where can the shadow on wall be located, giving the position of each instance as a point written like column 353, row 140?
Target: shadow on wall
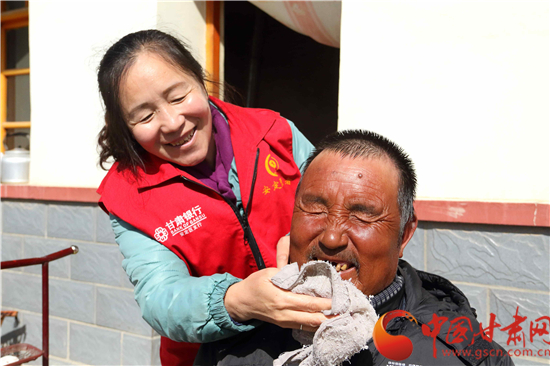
column 13, row 332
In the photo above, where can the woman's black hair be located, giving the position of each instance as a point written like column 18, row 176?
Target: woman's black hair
column 115, row 138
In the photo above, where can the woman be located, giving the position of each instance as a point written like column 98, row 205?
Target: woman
column 211, row 182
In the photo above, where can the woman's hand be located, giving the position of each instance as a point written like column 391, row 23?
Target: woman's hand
column 283, row 250
column 256, row 297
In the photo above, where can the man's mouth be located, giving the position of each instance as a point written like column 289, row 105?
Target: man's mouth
column 342, row 266
column 185, row 139
column 339, row 266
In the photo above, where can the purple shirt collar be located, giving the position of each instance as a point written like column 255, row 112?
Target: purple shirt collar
column 217, row 179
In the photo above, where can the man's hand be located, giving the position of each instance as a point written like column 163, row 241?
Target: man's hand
column 257, row 298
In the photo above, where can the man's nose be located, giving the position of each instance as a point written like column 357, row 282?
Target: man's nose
column 334, row 238
column 171, row 120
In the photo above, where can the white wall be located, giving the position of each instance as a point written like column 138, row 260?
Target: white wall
column 463, row 86
column 185, row 20
column 67, row 41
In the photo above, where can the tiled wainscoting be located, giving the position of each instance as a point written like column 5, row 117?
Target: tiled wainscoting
column 95, row 320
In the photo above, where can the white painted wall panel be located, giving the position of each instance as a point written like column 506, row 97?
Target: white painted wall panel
column 67, row 41
column 463, row 86
column 186, row 21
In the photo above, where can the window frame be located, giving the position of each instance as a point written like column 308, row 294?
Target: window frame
column 214, row 11
column 11, row 19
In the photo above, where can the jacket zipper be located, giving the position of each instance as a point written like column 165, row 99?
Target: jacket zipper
column 247, row 210
column 243, row 220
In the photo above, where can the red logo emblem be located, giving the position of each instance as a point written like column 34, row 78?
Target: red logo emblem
column 396, row 348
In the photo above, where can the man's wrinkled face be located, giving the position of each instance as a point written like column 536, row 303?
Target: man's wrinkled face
column 346, row 212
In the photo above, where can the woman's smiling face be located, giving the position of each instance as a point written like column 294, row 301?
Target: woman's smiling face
column 167, row 111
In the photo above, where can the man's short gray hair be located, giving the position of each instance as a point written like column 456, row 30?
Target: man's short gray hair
column 367, row 144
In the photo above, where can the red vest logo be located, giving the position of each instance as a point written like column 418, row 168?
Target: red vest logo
column 183, row 224
column 161, row 234
column 271, row 165
column 396, row 348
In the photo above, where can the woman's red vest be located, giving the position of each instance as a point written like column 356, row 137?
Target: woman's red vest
column 197, row 223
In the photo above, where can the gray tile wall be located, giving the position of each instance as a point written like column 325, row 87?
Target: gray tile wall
column 499, row 268
column 94, row 319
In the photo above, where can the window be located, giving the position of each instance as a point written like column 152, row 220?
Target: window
column 15, row 76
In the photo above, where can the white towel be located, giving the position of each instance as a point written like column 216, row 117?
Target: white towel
column 339, row 338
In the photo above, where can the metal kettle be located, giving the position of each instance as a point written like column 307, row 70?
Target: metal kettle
column 15, row 166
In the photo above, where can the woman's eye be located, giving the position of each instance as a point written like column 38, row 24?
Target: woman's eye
column 178, row 100
column 147, row 118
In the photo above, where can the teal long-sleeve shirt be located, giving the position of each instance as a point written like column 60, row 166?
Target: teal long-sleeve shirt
column 175, row 304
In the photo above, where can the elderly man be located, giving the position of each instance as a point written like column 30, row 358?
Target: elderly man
column 354, row 209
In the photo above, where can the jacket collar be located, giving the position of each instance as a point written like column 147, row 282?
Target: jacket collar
column 158, row 171
column 428, row 294
column 249, row 133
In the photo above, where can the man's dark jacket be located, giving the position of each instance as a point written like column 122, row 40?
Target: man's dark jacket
column 423, row 295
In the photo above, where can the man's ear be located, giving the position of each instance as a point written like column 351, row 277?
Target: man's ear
column 408, row 231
